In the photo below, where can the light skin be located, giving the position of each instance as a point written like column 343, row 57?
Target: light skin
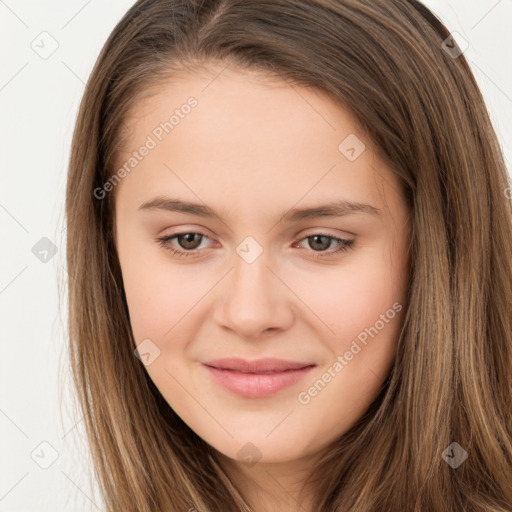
column 252, row 149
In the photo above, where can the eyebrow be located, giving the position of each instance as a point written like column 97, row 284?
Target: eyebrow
column 331, row 209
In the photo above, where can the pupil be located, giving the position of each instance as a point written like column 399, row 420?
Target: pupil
column 187, row 240
column 315, row 238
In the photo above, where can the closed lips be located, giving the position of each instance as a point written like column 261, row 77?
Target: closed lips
column 257, row 379
column 261, row 366
column 260, row 372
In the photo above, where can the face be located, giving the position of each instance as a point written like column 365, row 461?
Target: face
column 259, row 224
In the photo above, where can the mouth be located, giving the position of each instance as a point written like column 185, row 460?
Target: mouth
column 257, row 379
column 260, row 366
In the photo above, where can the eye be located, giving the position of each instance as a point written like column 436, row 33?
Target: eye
column 319, row 242
column 189, row 241
column 189, row 244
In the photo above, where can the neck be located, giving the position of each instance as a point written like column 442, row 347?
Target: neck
column 271, row 485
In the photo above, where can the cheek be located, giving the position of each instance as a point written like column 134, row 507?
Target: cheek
column 159, row 298
column 354, row 297
column 158, row 292
column 365, row 312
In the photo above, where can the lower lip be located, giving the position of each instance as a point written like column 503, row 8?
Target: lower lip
column 257, row 385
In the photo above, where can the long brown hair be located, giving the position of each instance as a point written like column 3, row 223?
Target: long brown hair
column 394, row 65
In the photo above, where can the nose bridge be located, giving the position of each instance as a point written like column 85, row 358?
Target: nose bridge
column 250, row 270
column 250, row 275
column 250, row 285
column 251, row 300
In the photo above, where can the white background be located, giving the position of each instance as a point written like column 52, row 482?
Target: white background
column 38, row 101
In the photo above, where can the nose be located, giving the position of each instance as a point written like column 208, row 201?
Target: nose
column 253, row 301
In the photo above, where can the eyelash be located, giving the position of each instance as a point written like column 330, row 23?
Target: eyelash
column 344, row 246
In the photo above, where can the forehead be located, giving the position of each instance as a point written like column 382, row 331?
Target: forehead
column 246, row 104
column 246, row 135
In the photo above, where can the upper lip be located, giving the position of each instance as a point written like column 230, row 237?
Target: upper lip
column 256, row 366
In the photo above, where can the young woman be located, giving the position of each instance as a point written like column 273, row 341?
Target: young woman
column 289, row 234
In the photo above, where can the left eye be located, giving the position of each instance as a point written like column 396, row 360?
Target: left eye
column 189, row 243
